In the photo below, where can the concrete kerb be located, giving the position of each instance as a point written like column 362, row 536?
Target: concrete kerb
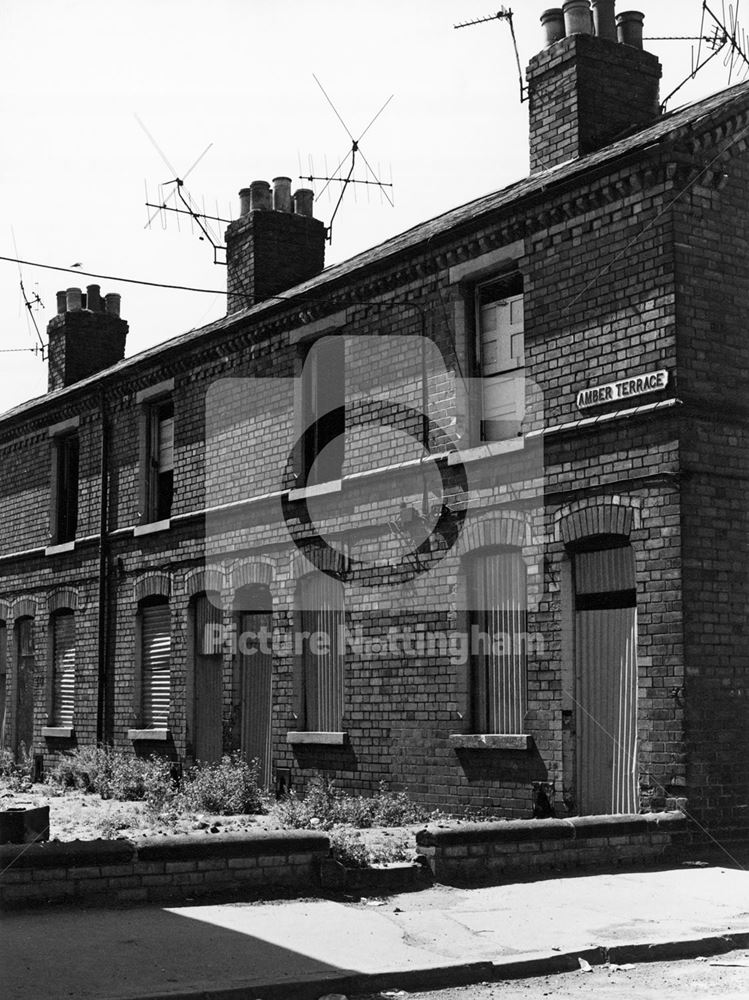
column 469, row 973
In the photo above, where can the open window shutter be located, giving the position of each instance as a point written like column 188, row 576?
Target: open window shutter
column 502, row 360
column 166, row 444
column 156, row 665
column 64, row 669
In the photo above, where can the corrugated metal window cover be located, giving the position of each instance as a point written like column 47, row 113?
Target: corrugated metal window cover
column 499, row 601
column 63, row 643
column 156, row 664
column 322, row 612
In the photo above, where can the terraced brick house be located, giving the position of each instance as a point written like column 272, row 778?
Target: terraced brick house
column 466, row 513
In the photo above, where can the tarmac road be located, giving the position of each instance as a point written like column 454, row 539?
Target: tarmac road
column 713, row 978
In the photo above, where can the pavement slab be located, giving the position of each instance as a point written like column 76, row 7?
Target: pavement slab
column 305, row 947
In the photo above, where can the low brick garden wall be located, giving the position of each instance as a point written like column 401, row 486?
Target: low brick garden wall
column 160, row 868
column 486, row 852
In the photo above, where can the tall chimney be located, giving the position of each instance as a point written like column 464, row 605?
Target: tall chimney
column 587, row 90
column 274, row 244
column 85, row 337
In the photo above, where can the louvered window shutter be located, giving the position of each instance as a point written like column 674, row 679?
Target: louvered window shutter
column 63, row 641
column 156, row 665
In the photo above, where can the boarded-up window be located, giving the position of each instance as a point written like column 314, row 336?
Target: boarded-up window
column 63, row 667
column 501, row 350
column 321, row 606
column 208, row 688
column 155, row 663
column 499, row 601
column 3, row 678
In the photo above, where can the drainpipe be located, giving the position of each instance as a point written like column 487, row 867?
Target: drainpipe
column 102, row 720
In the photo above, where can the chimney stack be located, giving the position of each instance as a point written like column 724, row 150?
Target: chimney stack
column 592, row 84
column 85, row 337
column 274, row 244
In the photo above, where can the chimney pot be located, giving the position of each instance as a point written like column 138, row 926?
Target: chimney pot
column 260, row 196
column 629, row 26
column 552, row 21
column 604, row 18
column 577, row 17
column 73, row 300
column 112, row 304
column 245, row 201
column 93, row 298
column 282, row 194
column 62, row 302
column 303, row 202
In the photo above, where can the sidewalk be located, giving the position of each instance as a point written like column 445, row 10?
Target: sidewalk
column 312, row 947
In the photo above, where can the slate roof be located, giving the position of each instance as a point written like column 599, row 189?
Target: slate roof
column 674, row 125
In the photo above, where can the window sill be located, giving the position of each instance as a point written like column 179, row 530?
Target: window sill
column 58, row 549
column 148, row 735
column 491, row 741
column 318, row 739
column 487, row 450
column 58, row 732
column 321, row 489
column 152, row 527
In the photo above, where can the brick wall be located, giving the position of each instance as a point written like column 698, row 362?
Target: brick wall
column 160, row 868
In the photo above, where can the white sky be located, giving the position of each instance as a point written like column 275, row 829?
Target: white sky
column 238, row 74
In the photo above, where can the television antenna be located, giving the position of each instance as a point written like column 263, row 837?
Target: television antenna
column 370, row 179
column 180, row 196
column 503, row 14
column 716, row 35
column 31, row 303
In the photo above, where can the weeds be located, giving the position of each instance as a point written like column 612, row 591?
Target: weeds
column 323, row 807
column 227, row 788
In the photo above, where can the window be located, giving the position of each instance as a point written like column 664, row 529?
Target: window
column 323, row 419
column 63, row 668
column 65, row 487
column 501, row 356
column 498, row 596
column 155, row 663
column 159, row 463
column 3, row 678
column 321, row 605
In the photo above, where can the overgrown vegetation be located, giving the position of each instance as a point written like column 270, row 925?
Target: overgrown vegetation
column 323, row 807
column 228, row 788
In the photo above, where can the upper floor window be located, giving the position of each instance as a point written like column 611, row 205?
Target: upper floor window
column 322, row 412
column 157, row 460
column 501, row 356
column 65, row 451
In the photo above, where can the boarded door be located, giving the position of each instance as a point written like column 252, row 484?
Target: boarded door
column 606, row 661
column 207, row 619
column 156, row 664
column 24, row 685
column 63, row 639
column 254, row 629
column 499, row 600
column 3, row 678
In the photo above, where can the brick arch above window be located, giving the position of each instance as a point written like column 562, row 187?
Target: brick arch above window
column 63, row 597
column 25, row 607
column 249, row 572
column 492, row 530
column 152, row 585
column 200, row 581
column 327, row 560
column 597, row 516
